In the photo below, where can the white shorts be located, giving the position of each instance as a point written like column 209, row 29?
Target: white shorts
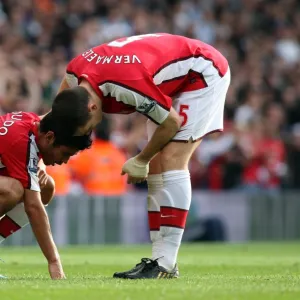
column 202, row 111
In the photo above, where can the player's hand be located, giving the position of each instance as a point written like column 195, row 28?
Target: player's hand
column 43, row 177
column 136, row 170
column 56, row 271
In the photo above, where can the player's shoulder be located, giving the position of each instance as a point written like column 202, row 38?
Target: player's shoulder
column 26, row 116
column 22, row 119
column 17, row 126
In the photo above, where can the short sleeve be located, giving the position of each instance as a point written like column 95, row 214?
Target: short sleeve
column 71, row 80
column 71, row 76
column 144, row 96
column 21, row 162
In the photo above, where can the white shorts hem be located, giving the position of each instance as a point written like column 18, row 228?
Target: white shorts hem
column 197, row 138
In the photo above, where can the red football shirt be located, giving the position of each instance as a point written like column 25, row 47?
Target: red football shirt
column 142, row 73
column 19, row 154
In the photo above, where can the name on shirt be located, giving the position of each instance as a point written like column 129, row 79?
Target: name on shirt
column 91, row 56
column 16, row 116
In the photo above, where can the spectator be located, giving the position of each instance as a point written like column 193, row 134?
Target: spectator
column 265, row 157
column 259, row 38
column 98, row 170
column 294, row 158
column 62, row 178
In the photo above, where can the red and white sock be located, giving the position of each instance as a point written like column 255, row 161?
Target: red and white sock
column 174, row 199
column 13, row 221
column 155, row 184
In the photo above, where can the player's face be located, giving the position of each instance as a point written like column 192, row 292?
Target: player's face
column 57, row 155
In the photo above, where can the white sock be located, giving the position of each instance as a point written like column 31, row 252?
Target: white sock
column 155, row 184
column 13, row 221
column 175, row 199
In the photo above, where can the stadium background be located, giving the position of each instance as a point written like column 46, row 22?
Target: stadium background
column 245, row 180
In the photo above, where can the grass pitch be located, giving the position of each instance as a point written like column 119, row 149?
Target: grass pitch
column 223, row 271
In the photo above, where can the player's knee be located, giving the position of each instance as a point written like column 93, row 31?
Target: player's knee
column 12, row 190
column 50, row 186
column 48, row 191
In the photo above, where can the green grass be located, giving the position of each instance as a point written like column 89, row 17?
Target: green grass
column 223, row 271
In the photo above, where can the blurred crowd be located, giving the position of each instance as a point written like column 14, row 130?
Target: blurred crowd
column 260, row 146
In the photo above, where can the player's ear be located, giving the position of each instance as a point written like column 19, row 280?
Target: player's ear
column 92, row 107
column 50, row 137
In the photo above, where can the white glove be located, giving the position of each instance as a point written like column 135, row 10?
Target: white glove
column 135, row 168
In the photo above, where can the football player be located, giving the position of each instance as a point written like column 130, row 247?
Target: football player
column 25, row 138
column 180, row 85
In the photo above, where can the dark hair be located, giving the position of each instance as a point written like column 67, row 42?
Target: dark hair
column 62, row 134
column 102, row 130
column 71, row 107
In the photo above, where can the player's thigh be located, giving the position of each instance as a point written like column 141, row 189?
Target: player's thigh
column 11, row 193
column 176, row 155
column 155, row 165
column 10, row 188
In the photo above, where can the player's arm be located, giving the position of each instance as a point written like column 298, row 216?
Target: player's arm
column 39, row 221
column 21, row 161
column 162, row 135
column 149, row 101
column 137, row 167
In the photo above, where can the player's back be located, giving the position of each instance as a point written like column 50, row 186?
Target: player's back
column 156, row 51
column 15, row 126
column 166, row 59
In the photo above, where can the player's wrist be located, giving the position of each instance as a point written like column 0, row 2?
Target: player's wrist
column 135, row 168
column 55, row 259
column 140, row 159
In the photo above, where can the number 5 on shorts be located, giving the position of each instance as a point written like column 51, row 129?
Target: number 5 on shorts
column 183, row 114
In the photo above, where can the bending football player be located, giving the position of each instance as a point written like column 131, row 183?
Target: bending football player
column 180, row 84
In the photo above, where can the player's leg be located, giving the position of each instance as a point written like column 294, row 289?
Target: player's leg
column 169, row 198
column 175, row 199
column 202, row 112
column 175, row 156
column 155, row 183
column 16, row 217
column 12, row 212
column 11, row 194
